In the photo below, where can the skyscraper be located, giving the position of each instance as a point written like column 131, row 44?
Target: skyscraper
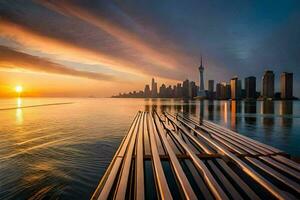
column 250, row 87
column 218, row 91
column 201, row 92
column 185, row 89
column 162, row 91
column 192, row 89
column 147, row 91
column 286, row 85
column 153, row 88
column 211, row 84
column 236, row 88
column 268, row 84
column 228, row 91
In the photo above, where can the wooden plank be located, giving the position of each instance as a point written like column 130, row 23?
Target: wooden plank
column 275, row 174
column 270, row 171
column 287, row 162
column 110, row 180
column 209, row 179
column 244, row 138
column 248, row 191
column 229, row 187
column 201, row 184
column 128, row 137
column 139, row 176
column 283, row 167
column 193, row 138
column 254, row 150
column 160, row 147
column 229, row 138
column 159, row 172
column 264, row 167
column 243, row 148
column 187, row 141
column 252, row 173
column 106, row 183
column 182, row 179
column 146, row 137
column 122, row 184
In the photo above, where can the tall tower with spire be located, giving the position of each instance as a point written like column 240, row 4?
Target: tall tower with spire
column 201, row 92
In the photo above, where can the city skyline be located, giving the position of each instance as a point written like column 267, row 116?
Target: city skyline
column 107, row 47
column 233, row 89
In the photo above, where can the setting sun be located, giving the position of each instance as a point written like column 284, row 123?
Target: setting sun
column 19, row 89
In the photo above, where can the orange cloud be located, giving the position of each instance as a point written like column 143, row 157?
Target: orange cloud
column 10, row 58
column 165, row 57
column 63, row 50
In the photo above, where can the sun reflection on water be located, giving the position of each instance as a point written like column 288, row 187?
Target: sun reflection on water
column 19, row 112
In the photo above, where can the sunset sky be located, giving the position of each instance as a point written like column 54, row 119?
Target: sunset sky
column 101, row 48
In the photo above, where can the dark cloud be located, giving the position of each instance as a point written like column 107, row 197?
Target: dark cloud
column 9, row 58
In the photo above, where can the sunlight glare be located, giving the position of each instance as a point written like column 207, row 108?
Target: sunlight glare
column 19, row 88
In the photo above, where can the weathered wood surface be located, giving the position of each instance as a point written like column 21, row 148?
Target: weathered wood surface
column 195, row 159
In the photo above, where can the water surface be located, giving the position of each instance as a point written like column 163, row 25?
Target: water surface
column 60, row 147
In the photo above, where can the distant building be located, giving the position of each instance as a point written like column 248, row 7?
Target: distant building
column 147, row 91
column 236, row 88
column 185, row 89
column 250, row 87
column 228, row 91
column 178, row 91
column 268, row 84
column 154, row 89
column 286, row 85
column 201, row 92
column 192, row 89
column 221, row 91
column 163, row 91
column 211, row 85
column 218, row 91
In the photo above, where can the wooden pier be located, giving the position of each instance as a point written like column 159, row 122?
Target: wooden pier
column 176, row 156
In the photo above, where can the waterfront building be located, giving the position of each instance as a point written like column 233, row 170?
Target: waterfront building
column 192, row 89
column 185, row 89
column 268, row 84
column 228, row 91
column 250, row 87
column 178, row 90
column 286, row 85
column 235, row 85
column 147, row 91
column 201, row 92
column 211, row 84
column 153, row 88
column 162, row 91
column 221, row 92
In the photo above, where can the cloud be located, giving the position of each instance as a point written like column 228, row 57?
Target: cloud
column 12, row 59
column 153, row 53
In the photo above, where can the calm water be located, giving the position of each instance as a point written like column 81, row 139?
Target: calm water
column 62, row 150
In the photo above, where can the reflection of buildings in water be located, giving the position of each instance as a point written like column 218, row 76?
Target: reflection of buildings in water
column 201, row 111
column 286, row 112
column 210, row 109
column 165, row 105
column 268, row 111
column 225, row 111
column 177, row 106
column 235, row 107
column 192, row 108
column 250, row 108
column 186, row 106
column 221, row 108
column 147, row 107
